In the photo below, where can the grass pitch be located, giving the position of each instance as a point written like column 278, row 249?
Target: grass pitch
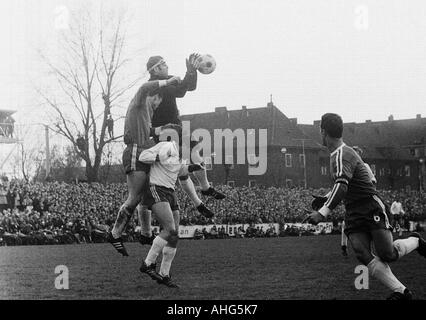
column 279, row 268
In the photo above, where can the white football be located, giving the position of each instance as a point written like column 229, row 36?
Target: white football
column 207, row 64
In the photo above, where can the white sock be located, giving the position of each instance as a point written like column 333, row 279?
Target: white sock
column 168, row 256
column 405, row 246
column 344, row 241
column 157, row 246
column 145, row 220
column 202, row 179
column 188, row 187
column 382, row 272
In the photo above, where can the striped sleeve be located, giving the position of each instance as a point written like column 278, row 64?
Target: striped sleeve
column 343, row 167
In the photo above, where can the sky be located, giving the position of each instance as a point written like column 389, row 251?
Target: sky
column 361, row 59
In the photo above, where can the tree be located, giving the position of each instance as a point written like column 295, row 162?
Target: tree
column 87, row 77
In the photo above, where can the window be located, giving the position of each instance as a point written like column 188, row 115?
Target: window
column 373, row 168
column 399, row 172
column 288, row 183
column 302, row 160
column 382, row 172
column 324, row 170
column 208, row 163
column 288, row 160
column 417, row 152
column 388, row 171
column 252, row 183
column 407, row 170
column 231, row 184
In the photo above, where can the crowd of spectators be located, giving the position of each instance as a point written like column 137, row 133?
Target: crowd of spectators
column 55, row 212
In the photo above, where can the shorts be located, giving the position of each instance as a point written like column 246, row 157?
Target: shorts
column 156, row 194
column 396, row 218
column 131, row 159
column 366, row 215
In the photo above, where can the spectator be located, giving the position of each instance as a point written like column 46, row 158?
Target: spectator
column 110, row 126
column 88, row 210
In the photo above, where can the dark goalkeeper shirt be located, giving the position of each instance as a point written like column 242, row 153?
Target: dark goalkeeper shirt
column 167, row 111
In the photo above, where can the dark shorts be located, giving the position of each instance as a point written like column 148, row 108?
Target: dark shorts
column 156, row 194
column 131, row 159
column 366, row 215
column 396, row 218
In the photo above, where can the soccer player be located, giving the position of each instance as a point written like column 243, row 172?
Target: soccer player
column 344, row 241
column 167, row 112
column 137, row 138
column 367, row 217
column 397, row 212
column 165, row 158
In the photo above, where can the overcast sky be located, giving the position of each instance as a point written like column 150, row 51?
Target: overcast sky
column 361, row 59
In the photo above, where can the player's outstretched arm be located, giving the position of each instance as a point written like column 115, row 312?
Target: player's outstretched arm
column 153, row 85
column 150, row 86
column 189, row 82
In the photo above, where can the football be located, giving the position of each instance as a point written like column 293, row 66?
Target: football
column 207, row 64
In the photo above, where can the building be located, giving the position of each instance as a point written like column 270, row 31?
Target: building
column 394, row 149
column 292, row 156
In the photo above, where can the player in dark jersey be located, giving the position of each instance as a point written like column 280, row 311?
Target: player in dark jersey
column 367, row 217
column 167, row 112
column 137, row 138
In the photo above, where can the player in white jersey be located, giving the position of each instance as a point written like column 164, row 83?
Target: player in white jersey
column 166, row 167
column 397, row 212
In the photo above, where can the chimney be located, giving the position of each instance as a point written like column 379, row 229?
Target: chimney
column 220, row 109
column 390, row 118
column 245, row 111
column 418, row 116
column 367, row 121
column 317, row 123
column 293, row 120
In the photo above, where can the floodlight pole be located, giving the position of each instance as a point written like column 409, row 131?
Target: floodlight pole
column 304, row 160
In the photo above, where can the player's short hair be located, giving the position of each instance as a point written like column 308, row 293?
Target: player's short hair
column 332, row 124
column 153, row 62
